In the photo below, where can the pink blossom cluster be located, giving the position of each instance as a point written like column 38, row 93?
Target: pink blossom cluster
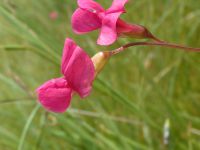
column 78, row 69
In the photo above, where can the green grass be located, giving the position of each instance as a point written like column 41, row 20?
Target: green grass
column 132, row 97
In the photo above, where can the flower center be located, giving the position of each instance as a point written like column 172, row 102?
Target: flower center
column 101, row 15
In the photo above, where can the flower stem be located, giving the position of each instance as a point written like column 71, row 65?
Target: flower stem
column 162, row 44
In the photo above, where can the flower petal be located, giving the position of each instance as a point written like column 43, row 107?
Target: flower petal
column 55, row 95
column 90, row 5
column 84, row 21
column 108, row 33
column 77, row 68
column 68, row 51
column 117, row 6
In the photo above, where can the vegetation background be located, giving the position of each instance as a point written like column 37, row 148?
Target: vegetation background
column 137, row 94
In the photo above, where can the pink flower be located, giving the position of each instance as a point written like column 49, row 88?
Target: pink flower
column 53, row 15
column 78, row 70
column 91, row 16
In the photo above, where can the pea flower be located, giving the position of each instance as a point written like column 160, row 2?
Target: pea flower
column 91, row 16
column 79, row 71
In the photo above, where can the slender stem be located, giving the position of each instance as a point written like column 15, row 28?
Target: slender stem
column 162, row 44
column 26, row 127
column 156, row 39
column 153, row 37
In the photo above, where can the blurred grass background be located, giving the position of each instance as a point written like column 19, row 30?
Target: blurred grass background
column 132, row 97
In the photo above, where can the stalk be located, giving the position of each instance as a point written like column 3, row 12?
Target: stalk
column 162, row 44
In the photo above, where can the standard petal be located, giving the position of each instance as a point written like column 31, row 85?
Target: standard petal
column 55, row 95
column 77, row 68
column 108, row 33
column 117, row 6
column 90, row 5
column 84, row 21
column 68, row 51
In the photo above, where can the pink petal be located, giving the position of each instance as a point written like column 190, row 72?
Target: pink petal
column 68, row 51
column 55, row 95
column 117, row 6
column 108, row 33
column 78, row 68
column 90, row 5
column 84, row 21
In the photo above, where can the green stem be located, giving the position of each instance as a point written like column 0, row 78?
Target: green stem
column 162, row 44
column 27, row 126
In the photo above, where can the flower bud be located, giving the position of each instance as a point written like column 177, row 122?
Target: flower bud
column 99, row 60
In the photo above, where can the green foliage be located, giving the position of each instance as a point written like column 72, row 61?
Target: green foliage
column 132, row 97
